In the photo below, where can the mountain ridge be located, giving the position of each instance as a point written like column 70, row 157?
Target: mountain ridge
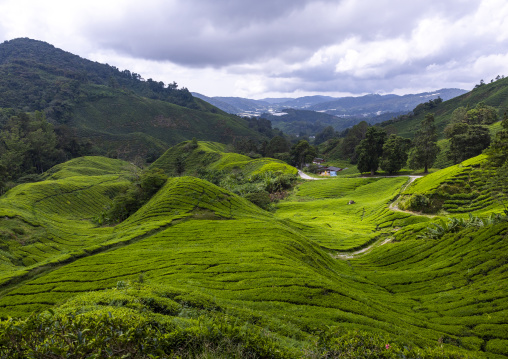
column 365, row 106
column 121, row 113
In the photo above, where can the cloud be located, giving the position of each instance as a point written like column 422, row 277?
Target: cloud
column 250, row 47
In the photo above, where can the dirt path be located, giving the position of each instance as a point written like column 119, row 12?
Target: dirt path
column 307, row 177
column 349, row 255
column 394, row 207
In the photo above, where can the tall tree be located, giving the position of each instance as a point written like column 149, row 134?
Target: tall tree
column 467, row 134
column 496, row 166
column 353, row 138
column 469, row 142
column 395, row 152
column 278, row 144
column 425, row 149
column 302, row 152
column 325, row 135
column 370, row 150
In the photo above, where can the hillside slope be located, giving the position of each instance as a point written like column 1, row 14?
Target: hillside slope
column 494, row 94
column 117, row 110
column 192, row 157
column 210, row 253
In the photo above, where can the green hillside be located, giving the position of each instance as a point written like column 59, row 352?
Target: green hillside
column 456, row 189
column 122, row 114
column 493, row 94
column 199, row 269
column 212, row 156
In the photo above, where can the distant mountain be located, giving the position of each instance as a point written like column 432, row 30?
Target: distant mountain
column 276, row 100
column 374, row 105
column 311, row 114
column 307, row 123
column 306, row 102
column 118, row 111
column 367, row 107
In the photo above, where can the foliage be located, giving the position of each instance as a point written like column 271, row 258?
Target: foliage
column 29, row 145
column 326, row 134
column 461, row 188
column 248, row 282
column 425, row 149
column 123, row 322
column 277, row 144
column 454, row 225
column 121, row 114
column 469, row 141
column 370, row 150
column 496, row 167
column 492, row 94
column 302, row 153
column 395, row 152
column 133, row 198
column 468, row 133
column 352, row 139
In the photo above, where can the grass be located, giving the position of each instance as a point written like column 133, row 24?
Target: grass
column 203, row 253
column 214, row 156
column 455, row 189
column 322, row 209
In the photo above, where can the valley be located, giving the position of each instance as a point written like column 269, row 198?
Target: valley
column 138, row 220
column 203, row 253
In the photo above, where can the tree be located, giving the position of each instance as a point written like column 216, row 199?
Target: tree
column 425, row 149
column 496, row 166
column 325, row 135
column 278, row 144
column 353, row 138
column 481, row 115
column 395, row 152
column 468, row 137
column 302, row 152
column 470, row 142
column 180, row 164
column 370, row 150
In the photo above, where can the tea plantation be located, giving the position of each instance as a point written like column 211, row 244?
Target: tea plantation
column 199, row 271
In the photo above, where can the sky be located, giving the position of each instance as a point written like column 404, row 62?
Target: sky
column 279, row 48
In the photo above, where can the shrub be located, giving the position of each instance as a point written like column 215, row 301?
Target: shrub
column 260, row 199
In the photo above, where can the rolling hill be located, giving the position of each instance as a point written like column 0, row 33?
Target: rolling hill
column 118, row 111
column 493, row 94
column 199, row 269
column 213, row 156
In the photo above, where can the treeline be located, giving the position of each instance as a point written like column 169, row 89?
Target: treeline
column 290, row 149
column 421, row 108
column 373, row 147
column 30, row 145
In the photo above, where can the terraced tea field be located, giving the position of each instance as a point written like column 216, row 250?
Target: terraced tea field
column 207, row 253
column 213, row 156
column 322, row 210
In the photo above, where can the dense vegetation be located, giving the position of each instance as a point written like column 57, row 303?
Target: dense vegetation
column 121, row 114
column 100, row 258
column 494, row 94
column 198, row 270
column 453, row 134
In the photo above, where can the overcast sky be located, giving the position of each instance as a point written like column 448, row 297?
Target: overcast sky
column 278, row 48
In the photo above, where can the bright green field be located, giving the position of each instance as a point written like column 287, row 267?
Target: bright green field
column 278, row 271
column 214, row 156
